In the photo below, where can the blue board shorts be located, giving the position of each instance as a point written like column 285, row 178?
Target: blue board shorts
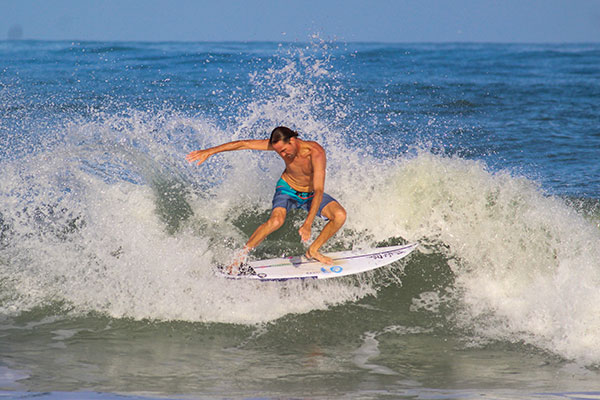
column 285, row 196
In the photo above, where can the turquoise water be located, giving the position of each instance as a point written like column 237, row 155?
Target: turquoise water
column 485, row 154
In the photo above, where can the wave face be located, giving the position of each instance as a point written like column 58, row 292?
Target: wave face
column 101, row 214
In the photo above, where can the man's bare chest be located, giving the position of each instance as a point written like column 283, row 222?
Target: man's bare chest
column 301, row 166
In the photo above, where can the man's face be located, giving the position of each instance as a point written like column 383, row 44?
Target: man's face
column 287, row 151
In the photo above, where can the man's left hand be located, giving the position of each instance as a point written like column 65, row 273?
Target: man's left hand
column 304, row 232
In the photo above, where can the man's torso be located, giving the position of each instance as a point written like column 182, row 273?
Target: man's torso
column 299, row 172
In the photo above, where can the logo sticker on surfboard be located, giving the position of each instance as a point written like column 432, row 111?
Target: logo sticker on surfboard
column 336, row 269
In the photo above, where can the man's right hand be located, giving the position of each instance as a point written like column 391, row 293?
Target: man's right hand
column 199, row 155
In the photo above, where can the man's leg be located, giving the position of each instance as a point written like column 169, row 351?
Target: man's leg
column 274, row 222
column 336, row 215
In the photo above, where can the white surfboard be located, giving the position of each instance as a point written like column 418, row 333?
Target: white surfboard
column 344, row 263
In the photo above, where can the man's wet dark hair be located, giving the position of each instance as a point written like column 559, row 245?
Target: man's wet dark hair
column 282, row 133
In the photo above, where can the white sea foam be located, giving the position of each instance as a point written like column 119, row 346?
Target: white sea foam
column 86, row 231
column 525, row 264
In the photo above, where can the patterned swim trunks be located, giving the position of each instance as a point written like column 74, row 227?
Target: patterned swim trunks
column 289, row 198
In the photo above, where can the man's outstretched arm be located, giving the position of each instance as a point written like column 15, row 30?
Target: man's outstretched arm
column 200, row 156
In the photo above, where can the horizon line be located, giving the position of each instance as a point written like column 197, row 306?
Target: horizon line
column 299, row 41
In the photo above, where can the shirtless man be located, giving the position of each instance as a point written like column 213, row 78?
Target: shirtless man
column 301, row 186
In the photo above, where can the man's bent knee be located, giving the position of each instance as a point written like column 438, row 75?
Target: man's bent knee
column 342, row 215
column 335, row 212
column 339, row 216
column 277, row 218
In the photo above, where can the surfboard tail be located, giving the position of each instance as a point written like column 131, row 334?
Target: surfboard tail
column 243, row 270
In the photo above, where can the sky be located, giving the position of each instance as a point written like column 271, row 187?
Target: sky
column 505, row 21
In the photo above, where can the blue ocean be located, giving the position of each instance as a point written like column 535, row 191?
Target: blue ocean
column 488, row 155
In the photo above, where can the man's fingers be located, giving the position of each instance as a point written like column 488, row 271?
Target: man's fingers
column 191, row 157
column 195, row 156
column 304, row 236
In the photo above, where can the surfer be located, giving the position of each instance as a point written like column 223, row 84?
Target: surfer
column 301, row 186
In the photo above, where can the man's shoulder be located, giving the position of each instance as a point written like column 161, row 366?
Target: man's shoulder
column 314, row 151
column 313, row 146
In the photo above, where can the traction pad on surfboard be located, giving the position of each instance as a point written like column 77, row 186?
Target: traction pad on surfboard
column 243, row 269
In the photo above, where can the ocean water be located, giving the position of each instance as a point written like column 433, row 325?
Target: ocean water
column 486, row 154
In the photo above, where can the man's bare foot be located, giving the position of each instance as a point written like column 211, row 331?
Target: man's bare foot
column 240, row 257
column 319, row 257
